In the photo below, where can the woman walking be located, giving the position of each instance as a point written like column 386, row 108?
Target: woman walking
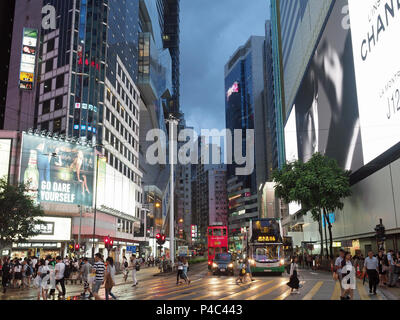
column 348, row 277
column 185, row 269
column 180, row 274
column 110, row 278
column 43, row 279
column 294, row 282
column 382, row 269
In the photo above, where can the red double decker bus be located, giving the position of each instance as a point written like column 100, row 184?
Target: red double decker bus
column 217, row 242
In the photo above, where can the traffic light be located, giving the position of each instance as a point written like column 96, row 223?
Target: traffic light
column 158, row 238
column 163, row 238
column 380, row 232
column 77, row 247
column 71, row 246
column 108, row 242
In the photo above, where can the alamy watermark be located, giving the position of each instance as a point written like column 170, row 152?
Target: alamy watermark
column 49, row 20
column 238, row 148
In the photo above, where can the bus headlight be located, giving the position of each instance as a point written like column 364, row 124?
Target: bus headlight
column 252, row 262
column 230, row 265
column 215, row 265
column 282, row 262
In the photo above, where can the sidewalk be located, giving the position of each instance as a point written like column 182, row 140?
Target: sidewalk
column 389, row 293
column 76, row 289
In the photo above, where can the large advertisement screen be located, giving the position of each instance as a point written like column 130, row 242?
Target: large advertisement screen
column 57, row 171
column 5, row 152
column 375, row 31
column 28, row 58
column 326, row 106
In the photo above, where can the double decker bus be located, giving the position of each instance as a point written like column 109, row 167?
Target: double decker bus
column 217, row 241
column 265, row 246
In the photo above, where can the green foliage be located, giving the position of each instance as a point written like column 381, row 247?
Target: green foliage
column 319, row 184
column 18, row 214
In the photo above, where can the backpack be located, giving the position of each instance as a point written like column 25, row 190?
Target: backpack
column 137, row 266
column 67, row 272
column 28, row 271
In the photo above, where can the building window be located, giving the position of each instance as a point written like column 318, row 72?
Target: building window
column 46, row 107
column 60, row 81
column 49, row 65
column 47, row 86
column 57, row 125
column 50, row 45
column 59, row 103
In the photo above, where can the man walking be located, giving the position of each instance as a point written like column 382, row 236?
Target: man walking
column 134, row 262
column 338, row 270
column 85, row 271
column 99, row 269
column 60, row 269
column 371, row 266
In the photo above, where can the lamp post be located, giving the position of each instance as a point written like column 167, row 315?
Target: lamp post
column 173, row 123
column 95, row 200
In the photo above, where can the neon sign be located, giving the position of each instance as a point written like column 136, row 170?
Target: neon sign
column 232, row 90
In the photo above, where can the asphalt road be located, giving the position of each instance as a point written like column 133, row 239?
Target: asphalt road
column 205, row 286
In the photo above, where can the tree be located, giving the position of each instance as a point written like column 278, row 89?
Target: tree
column 18, row 214
column 320, row 185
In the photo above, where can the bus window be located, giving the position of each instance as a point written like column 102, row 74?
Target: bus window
column 210, row 232
column 224, row 250
column 217, row 250
column 210, row 251
column 224, row 232
column 217, row 232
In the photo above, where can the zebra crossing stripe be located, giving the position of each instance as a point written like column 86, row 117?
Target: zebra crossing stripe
column 313, row 291
column 267, row 291
column 336, row 292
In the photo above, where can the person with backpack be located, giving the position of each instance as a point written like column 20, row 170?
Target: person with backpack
column 27, row 272
column 125, row 266
column 242, row 271
column 17, row 274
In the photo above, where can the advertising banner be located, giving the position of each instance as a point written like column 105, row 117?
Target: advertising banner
column 326, row 106
column 375, row 29
column 28, row 59
column 56, row 171
column 5, row 152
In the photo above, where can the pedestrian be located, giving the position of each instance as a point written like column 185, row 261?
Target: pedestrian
column 125, row 268
column 60, row 280
column 134, row 264
column 110, row 278
column 85, row 271
column 396, row 269
column 44, row 279
column 248, row 269
column 180, row 274
column 338, row 272
column 98, row 269
column 185, row 269
column 294, row 282
column 348, row 277
column 17, row 274
column 392, row 264
column 371, row 267
column 6, row 272
column 382, row 268
column 52, row 267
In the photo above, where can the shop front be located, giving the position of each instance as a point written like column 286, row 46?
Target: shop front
column 37, row 249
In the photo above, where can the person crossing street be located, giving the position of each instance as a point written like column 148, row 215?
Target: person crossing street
column 371, row 267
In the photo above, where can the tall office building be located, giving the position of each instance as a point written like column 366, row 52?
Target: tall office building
column 245, row 109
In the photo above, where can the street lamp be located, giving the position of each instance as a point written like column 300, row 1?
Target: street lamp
column 173, row 123
column 95, row 201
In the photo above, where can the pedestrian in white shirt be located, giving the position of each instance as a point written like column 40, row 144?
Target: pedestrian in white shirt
column 60, row 269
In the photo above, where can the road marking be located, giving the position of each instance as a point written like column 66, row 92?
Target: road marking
column 313, row 291
column 361, row 291
column 284, row 295
column 336, row 292
column 267, row 291
column 246, row 290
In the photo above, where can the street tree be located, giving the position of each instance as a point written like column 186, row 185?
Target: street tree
column 320, row 186
column 19, row 215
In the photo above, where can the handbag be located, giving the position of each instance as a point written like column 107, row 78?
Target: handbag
column 137, row 267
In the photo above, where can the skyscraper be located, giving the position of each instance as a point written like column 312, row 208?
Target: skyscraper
column 245, row 109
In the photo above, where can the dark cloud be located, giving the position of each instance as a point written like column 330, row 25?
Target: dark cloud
column 211, row 30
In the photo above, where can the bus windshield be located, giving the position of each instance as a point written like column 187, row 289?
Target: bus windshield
column 267, row 253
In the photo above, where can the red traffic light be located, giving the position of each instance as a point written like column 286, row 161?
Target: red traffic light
column 77, row 247
column 163, row 237
column 111, row 242
column 106, row 240
column 158, row 236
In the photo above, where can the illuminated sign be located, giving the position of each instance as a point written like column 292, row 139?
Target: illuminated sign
column 232, row 90
column 28, row 59
column 45, row 229
column 336, row 244
column 266, row 239
column 5, row 151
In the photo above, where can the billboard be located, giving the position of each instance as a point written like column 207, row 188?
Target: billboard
column 375, row 28
column 5, row 154
column 57, row 171
column 326, row 106
column 28, row 58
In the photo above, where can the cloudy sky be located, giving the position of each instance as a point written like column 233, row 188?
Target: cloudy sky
column 211, row 31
